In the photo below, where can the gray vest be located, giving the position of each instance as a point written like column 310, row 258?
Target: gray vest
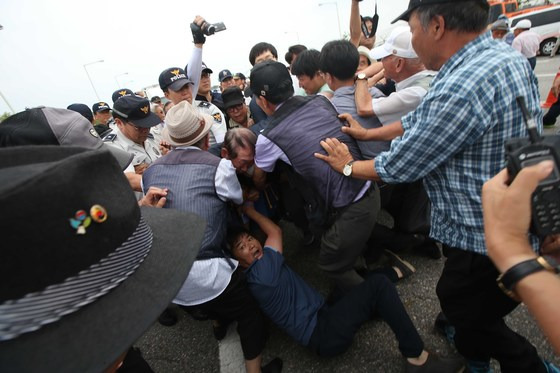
column 189, row 174
column 297, row 128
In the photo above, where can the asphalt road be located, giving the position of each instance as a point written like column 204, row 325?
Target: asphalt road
column 189, row 346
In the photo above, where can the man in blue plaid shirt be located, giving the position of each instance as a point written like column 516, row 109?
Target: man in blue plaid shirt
column 455, row 141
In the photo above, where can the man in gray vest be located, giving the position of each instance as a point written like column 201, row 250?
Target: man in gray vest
column 345, row 207
column 202, row 183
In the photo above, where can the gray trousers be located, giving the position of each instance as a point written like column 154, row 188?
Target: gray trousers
column 345, row 240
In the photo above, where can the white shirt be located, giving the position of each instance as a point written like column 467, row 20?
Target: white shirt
column 406, row 99
column 208, row 278
column 527, row 43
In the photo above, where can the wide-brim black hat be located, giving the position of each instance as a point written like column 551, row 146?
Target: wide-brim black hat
column 92, row 334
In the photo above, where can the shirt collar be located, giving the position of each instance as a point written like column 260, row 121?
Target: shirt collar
column 473, row 47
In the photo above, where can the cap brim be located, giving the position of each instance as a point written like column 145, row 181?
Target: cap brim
column 226, row 77
column 147, row 122
column 233, row 103
column 178, row 84
column 207, row 70
column 404, row 16
column 123, row 158
column 208, row 121
column 92, row 338
column 379, row 53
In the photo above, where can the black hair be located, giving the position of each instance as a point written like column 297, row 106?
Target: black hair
column 466, row 16
column 340, row 58
column 234, row 232
column 307, row 63
column 259, row 49
column 294, row 50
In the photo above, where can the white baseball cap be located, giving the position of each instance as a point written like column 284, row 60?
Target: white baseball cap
column 398, row 44
column 523, row 24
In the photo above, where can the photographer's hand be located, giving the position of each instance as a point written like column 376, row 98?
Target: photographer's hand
column 196, row 28
column 507, row 214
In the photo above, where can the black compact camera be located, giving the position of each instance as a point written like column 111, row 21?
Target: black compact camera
column 525, row 152
column 211, row 28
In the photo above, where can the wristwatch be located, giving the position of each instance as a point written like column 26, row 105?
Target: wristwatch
column 361, row 76
column 347, row 170
column 508, row 279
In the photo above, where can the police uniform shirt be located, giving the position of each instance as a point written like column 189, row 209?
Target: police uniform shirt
column 142, row 154
column 218, row 129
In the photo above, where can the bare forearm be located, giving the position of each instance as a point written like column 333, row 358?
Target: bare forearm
column 355, row 23
column 364, row 106
column 365, row 170
column 541, row 293
column 385, row 133
column 273, row 232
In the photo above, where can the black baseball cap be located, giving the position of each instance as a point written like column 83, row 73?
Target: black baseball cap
column 224, row 74
column 232, row 96
column 136, row 109
column 206, row 69
column 82, row 109
column 240, row 76
column 413, row 4
column 100, row 106
column 271, row 79
column 174, row 79
column 121, row 92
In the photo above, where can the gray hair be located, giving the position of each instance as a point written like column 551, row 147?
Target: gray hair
column 239, row 138
column 464, row 16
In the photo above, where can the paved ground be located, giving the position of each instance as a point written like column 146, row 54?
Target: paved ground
column 190, row 346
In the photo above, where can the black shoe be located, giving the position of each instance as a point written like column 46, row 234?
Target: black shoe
column 435, row 364
column 429, row 249
column 274, row 366
column 405, row 267
column 168, row 317
column 220, row 328
column 134, row 362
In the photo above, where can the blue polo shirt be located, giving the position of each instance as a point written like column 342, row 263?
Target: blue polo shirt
column 284, row 296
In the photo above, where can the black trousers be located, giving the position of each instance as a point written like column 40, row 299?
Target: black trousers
column 553, row 113
column 475, row 305
column 237, row 303
column 376, row 296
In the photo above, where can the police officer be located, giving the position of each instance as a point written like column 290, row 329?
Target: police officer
column 178, row 87
column 134, row 119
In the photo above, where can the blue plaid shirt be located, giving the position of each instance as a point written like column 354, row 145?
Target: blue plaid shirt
column 455, row 138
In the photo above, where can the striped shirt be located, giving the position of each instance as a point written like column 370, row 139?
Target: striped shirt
column 455, row 138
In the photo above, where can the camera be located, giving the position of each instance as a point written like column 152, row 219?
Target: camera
column 211, row 28
column 525, row 152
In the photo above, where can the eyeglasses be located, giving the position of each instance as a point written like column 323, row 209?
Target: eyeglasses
column 139, row 129
column 235, row 107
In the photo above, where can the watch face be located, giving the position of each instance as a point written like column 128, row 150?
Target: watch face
column 361, row 76
column 347, row 170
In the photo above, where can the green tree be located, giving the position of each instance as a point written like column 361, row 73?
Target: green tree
column 4, row 116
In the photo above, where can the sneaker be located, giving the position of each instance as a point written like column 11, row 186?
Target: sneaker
column 274, row 366
column 405, row 267
column 168, row 317
column 444, row 328
column 436, row 364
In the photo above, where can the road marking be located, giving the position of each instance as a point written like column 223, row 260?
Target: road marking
column 230, row 352
column 545, row 75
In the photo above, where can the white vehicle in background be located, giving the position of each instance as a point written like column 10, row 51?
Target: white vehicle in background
column 546, row 23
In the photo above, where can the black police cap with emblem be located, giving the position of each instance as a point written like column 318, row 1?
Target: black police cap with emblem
column 100, row 106
column 121, row 92
column 136, row 109
column 174, row 79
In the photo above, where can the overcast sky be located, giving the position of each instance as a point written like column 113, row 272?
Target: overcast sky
column 45, row 44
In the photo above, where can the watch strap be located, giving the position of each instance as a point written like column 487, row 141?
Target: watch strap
column 507, row 280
